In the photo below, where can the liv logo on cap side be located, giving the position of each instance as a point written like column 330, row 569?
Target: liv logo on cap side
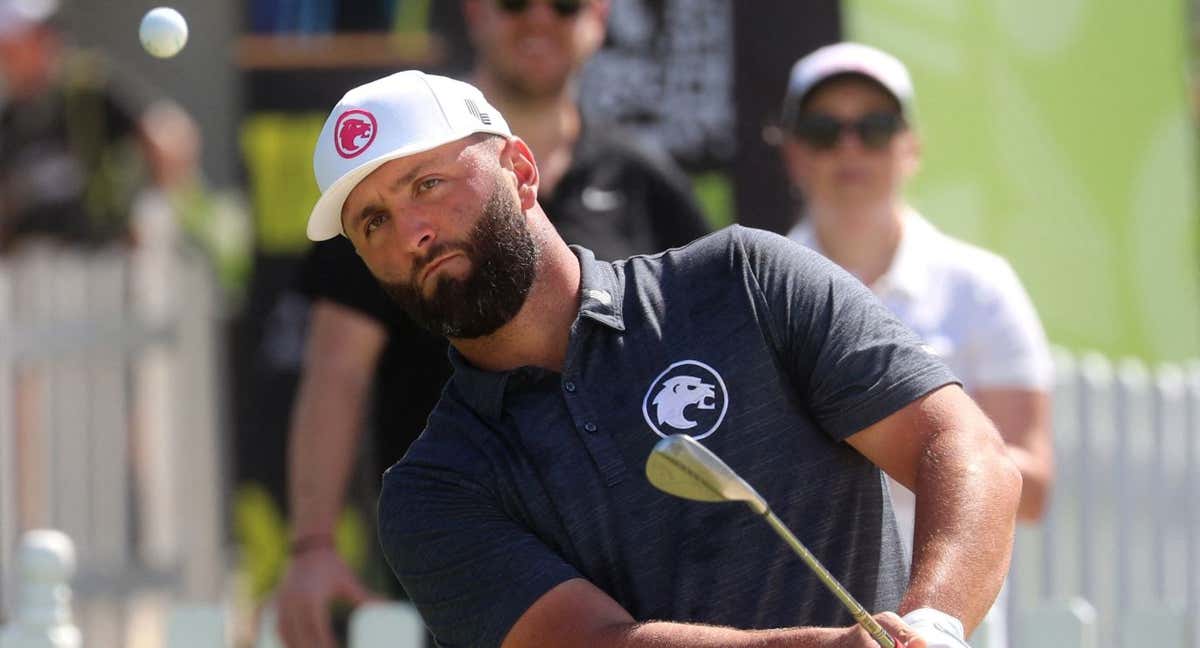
column 355, row 131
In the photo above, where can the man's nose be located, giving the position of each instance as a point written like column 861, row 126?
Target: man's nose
column 420, row 235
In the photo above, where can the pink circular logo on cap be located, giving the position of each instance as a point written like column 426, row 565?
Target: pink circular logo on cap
column 354, row 132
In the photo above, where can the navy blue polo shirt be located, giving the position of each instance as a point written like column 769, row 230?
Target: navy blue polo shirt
column 763, row 350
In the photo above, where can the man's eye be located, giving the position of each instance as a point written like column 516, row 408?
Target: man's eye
column 374, row 222
column 428, row 183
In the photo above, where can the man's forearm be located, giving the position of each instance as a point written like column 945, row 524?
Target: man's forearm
column 678, row 635
column 342, row 349
column 577, row 614
column 325, row 432
column 967, row 494
column 665, row 634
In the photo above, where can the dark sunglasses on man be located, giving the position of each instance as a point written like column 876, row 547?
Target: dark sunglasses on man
column 564, row 8
column 823, row 132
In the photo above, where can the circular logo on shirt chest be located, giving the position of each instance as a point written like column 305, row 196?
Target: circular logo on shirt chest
column 689, row 398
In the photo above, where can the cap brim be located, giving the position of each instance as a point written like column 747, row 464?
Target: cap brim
column 800, row 94
column 325, row 220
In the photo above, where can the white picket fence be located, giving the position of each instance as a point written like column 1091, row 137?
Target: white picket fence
column 44, row 616
column 110, row 419
column 1123, row 529
column 109, row 422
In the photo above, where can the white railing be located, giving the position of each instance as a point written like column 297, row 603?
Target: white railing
column 1123, row 529
column 43, row 617
column 109, row 424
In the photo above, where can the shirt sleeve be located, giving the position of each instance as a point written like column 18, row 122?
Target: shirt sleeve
column 333, row 270
column 852, row 361
column 467, row 564
column 1013, row 351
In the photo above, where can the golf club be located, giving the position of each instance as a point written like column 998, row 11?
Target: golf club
column 681, row 466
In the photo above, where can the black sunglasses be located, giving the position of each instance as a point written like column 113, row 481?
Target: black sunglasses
column 822, row 132
column 564, row 8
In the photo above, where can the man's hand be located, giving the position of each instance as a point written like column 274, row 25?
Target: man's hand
column 314, row 579
column 856, row 637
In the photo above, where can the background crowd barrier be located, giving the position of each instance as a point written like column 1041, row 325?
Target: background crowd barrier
column 1122, row 531
column 110, row 418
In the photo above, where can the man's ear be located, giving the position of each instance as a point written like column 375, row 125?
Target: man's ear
column 598, row 10
column 524, row 167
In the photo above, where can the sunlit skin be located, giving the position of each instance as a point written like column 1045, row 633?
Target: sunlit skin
column 399, row 212
column 402, row 209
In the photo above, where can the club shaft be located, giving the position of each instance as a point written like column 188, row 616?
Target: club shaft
column 860, row 614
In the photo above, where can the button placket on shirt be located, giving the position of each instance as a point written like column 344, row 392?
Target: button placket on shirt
column 578, row 410
column 599, row 446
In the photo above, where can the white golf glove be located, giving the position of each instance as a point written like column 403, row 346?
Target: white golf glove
column 938, row 629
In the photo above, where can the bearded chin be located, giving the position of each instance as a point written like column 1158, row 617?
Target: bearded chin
column 503, row 258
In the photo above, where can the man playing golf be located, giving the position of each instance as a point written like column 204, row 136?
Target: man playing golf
column 522, row 515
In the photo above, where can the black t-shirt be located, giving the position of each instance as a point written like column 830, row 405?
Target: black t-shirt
column 617, row 199
column 69, row 164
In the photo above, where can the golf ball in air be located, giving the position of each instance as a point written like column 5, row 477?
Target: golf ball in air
column 163, row 32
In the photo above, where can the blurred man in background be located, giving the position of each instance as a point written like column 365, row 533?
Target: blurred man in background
column 605, row 193
column 76, row 146
column 849, row 147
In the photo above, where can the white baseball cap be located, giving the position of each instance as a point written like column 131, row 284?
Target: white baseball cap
column 406, row 113
column 847, row 58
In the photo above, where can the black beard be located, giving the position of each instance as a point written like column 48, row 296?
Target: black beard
column 503, row 258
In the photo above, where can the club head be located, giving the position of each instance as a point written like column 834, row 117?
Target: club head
column 681, row 466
